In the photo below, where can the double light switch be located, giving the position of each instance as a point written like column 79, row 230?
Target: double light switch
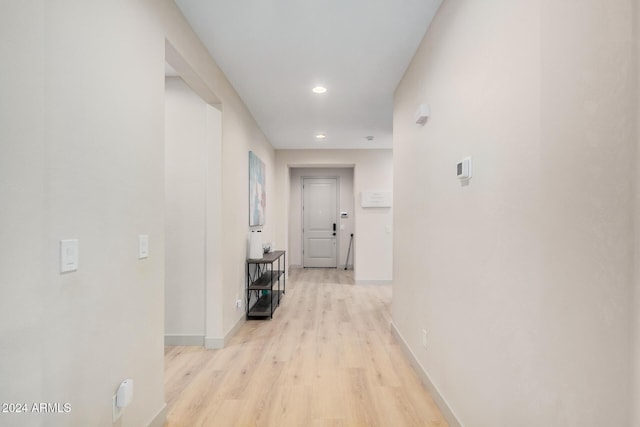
column 69, row 252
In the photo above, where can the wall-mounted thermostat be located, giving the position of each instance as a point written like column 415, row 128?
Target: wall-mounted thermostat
column 463, row 168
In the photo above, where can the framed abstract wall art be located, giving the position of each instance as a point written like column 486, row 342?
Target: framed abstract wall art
column 257, row 187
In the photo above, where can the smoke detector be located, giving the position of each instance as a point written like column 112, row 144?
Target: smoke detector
column 369, row 138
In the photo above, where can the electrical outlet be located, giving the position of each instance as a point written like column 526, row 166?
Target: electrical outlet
column 238, row 304
column 424, row 338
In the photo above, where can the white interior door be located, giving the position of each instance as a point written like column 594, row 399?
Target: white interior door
column 319, row 219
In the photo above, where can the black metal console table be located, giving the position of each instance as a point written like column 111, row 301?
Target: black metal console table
column 263, row 296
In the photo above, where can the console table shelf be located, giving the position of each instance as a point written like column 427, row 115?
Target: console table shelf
column 263, row 284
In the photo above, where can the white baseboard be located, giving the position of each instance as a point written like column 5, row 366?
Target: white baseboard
column 214, row 343
column 442, row 403
column 374, row 282
column 235, row 329
column 160, row 419
column 187, row 340
column 300, row 267
column 219, row 343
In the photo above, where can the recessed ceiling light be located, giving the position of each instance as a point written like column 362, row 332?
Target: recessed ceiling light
column 320, row 136
column 369, row 138
column 319, row 89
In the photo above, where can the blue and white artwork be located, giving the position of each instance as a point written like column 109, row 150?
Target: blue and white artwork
column 257, row 196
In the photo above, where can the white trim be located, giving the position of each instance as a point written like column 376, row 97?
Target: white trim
column 439, row 399
column 161, row 417
column 373, row 282
column 188, row 340
column 219, row 343
column 214, row 343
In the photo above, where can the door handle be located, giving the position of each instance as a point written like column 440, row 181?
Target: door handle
column 334, row 228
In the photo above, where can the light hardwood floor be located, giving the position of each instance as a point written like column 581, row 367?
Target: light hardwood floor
column 327, row 358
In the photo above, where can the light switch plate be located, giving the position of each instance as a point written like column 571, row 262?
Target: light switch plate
column 143, row 246
column 68, row 255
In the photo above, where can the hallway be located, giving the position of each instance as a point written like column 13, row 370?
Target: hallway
column 326, row 358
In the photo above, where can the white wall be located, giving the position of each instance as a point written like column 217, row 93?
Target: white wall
column 82, row 156
column 373, row 171
column 23, row 177
column 240, row 134
column 214, row 286
column 635, row 339
column 189, row 181
column 346, row 197
column 522, row 279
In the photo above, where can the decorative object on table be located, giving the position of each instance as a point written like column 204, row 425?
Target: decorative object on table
column 255, row 245
column 257, row 188
column 267, row 247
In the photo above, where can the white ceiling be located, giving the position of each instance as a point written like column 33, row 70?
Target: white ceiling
column 275, row 51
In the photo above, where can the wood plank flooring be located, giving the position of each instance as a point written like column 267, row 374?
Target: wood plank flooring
column 327, row 358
